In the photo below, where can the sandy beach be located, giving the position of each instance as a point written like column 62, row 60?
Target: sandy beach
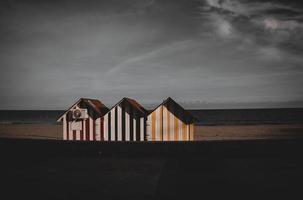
column 33, row 131
column 222, row 132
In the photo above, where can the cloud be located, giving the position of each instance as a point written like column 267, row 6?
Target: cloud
column 261, row 14
column 227, row 5
column 273, row 24
column 214, row 50
column 163, row 50
column 223, row 28
column 270, row 54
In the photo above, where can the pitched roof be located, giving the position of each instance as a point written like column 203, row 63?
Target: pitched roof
column 133, row 103
column 137, row 105
column 94, row 104
column 177, row 110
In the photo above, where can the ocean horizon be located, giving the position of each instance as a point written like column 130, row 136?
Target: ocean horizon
column 249, row 116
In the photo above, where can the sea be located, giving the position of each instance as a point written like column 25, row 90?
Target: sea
column 202, row 116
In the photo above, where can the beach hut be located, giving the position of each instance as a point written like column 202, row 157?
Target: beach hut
column 125, row 121
column 170, row 122
column 83, row 120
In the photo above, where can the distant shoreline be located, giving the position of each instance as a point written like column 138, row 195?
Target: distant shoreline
column 202, row 133
column 209, row 117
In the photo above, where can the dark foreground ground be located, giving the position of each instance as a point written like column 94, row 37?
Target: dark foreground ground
column 51, row 169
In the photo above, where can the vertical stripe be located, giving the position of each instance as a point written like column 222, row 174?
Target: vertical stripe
column 109, row 126
column 184, row 132
column 101, row 128
column 70, row 132
column 123, row 122
column 168, row 126
column 119, row 117
column 176, row 129
column 67, row 130
column 153, row 123
column 134, row 129
column 77, row 133
column 149, row 128
column 192, row 134
column 74, row 135
column 127, row 127
column 81, row 135
column 84, row 129
column 116, row 124
column 172, row 127
column 81, row 131
column 138, row 129
column 161, row 123
column 97, row 129
column 158, row 124
column 64, row 128
column 105, row 127
column 188, row 131
column 180, row 130
column 112, row 119
column 142, row 129
column 145, row 119
column 71, row 135
column 131, row 124
column 164, row 123
column 94, row 130
column 91, row 130
column 87, row 129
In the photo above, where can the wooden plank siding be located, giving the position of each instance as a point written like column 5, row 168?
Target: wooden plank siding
column 125, row 125
column 128, row 121
column 90, row 129
column 166, row 124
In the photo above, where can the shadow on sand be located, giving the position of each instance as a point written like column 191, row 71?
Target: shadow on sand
column 47, row 169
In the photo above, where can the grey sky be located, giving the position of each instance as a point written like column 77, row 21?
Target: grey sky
column 209, row 52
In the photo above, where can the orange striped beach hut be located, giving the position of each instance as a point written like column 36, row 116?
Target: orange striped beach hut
column 83, row 120
column 170, row 122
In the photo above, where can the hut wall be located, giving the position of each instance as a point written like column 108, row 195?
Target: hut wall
column 122, row 124
column 83, row 130
column 163, row 125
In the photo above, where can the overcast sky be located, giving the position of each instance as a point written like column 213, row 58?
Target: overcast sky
column 207, row 53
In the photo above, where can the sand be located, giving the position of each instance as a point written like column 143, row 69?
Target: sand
column 33, row 131
column 222, row 132
column 246, row 132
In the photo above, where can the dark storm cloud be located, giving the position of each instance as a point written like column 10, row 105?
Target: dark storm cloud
column 212, row 51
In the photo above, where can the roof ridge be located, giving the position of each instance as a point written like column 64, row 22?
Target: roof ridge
column 163, row 102
column 169, row 99
column 138, row 106
column 86, row 100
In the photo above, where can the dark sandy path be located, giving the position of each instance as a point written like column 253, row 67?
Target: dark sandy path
column 50, row 169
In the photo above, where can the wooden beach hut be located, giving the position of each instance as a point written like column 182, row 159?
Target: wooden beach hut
column 83, row 120
column 125, row 121
column 170, row 122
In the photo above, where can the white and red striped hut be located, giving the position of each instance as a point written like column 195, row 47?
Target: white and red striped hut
column 83, row 120
column 170, row 122
column 125, row 121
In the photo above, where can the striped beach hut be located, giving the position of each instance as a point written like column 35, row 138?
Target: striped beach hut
column 170, row 122
column 125, row 121
column 83, row 120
